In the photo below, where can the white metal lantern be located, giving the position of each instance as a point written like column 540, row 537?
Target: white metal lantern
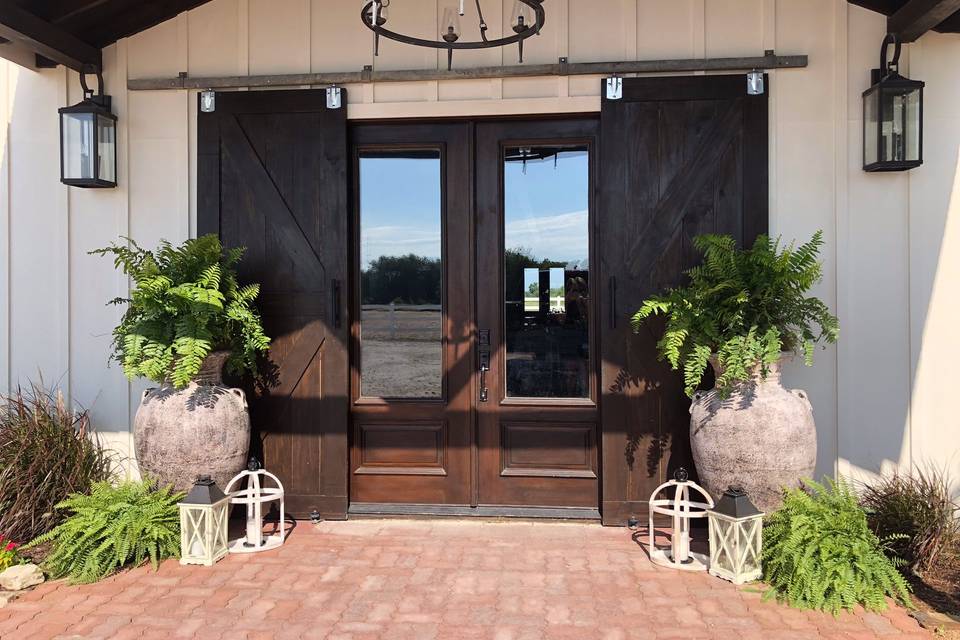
column 203, row 523
column 255, row 496
column 682, row 509
column 736, row 532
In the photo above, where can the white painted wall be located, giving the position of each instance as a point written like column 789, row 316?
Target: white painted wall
column 882, row 397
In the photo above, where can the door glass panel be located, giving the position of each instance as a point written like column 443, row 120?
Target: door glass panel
column 401, row 341
column 546, row 271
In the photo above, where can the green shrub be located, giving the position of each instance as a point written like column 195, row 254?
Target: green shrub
column 185, row 303
column 745, row 306
column 47, row 452
column 112, row 527
column 916, row 508
column 819, row 553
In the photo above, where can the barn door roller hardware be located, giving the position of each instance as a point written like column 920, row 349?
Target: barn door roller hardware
column 614, row 86
column 614, row 68
column 333, row 97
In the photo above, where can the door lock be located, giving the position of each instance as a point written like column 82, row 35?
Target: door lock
column 483, row 357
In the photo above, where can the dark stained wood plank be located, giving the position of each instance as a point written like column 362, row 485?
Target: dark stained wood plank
column 916, row 17
column 679, row 157
column 259, row 160
column 48, row 40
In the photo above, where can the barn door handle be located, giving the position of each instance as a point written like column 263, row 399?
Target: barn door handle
column 612, row 301
column 335, row 288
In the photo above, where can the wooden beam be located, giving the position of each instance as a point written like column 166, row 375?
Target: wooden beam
column 45, row 39
column 917, row 17
column 769, row 61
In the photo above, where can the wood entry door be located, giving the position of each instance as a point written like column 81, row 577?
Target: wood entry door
column 473, row 360
column 537, row 399
column 272, row 177
column 412, row 356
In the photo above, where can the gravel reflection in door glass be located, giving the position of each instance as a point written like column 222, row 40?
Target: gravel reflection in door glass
column 401, row 315
column 546, row 271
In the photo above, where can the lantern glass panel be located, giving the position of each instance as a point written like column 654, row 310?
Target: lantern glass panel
column 107, row 148
column 871, row 127
column 77, row 145
column 900, row 135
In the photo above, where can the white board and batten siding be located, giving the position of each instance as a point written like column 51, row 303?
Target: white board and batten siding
column 882, row 396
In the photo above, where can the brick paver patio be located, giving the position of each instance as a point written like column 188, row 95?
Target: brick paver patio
column 366, row 579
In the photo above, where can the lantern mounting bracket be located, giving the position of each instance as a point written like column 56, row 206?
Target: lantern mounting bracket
column 887, row 66
column 99, row 97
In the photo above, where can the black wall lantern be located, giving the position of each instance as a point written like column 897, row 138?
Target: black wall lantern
column 88, row 139
column 892, row 116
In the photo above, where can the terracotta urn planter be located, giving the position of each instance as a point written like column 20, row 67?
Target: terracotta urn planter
column 762, row 437
column 203, row 428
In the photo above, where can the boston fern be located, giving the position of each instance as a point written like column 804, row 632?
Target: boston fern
column 819, row 553
column 185, row 303
column 743, row 307
column 111, row 527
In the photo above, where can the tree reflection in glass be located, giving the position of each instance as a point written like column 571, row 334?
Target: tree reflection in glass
column 401, row 274
column 546, row 271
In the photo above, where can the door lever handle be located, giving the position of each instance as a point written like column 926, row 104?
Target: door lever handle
column 483, row 382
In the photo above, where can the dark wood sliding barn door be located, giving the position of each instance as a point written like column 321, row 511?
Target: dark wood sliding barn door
column 679, row 157
column 272, row 176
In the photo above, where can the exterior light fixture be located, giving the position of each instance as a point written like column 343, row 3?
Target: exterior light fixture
column 736, row 531
column 682, row 508
column 755, row 83
column 892, row 116
column 526, row 20
column 203, row 523
column 254, row 497
column 88, row 139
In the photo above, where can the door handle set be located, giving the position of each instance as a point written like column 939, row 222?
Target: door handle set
column 483, row 358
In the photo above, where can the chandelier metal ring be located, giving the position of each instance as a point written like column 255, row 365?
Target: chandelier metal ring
column 372, row 8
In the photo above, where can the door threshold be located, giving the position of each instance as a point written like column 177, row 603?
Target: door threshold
column 453, row 511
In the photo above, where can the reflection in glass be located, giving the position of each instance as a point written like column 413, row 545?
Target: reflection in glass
column 400, row 274
column 546, row 271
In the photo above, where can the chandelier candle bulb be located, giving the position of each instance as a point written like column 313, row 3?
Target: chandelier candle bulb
column 527, row 20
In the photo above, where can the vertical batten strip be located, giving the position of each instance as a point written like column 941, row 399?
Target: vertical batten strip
column 769, row 22
column 121, row 101
column 243, row 38
column 563, row 44
column 698, row 30
column 62, row 245
column 841, row 189
column 185, row 178
column 6, row 108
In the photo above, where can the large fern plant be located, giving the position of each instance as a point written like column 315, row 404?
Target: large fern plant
column 185, row 303
column 112, row 527
column 743, row 307
column 819, row 553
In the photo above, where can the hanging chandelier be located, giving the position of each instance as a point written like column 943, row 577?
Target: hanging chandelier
column 526, row 20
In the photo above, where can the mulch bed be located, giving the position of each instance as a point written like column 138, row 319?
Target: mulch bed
column 939, row 590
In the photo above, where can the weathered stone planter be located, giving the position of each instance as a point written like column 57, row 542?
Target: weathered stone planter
column 201, row 429
column 762, row 438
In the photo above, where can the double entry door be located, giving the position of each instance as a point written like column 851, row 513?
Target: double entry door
column 473, row 337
